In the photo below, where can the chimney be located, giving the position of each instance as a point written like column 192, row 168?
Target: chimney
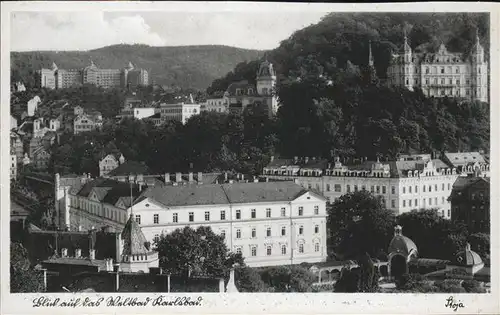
column 200, row 177
column 178, row 177
column 78, row 253
column 306, row 159
column 295, row 159
column 221, row 286
column 225, row 177
column 190, row 175
column 272, row 158
column 92, row 254
column 64, row 252
column 167, row 178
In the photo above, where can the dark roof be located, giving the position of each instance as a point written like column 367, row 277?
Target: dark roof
column 130, row 167
column 244, row 84
column 114, row 189
column 462, row 158
column 281, row 162
column 134, row 241
column 184, row 195
column 75, row 261
column 463, row 182
column 262, row 192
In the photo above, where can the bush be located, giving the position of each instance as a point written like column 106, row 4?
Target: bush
column 330, row 287
column 473, row 286
column 409, row 281
column 450, row 286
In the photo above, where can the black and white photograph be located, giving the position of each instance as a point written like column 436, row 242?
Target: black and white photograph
column 160, row 154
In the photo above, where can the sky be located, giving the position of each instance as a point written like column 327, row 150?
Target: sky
column 61, row 31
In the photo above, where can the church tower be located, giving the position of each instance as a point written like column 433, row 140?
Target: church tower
column 266, row 84
column 372, row 72
column 479, row 72
column 408, row 65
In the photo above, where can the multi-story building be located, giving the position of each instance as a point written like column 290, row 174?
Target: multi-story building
column 13, row 165
column 241, row 94
column 66, row 78
column 470, row 202
column 40, row 158
column 273, row 223
column 46, row 77
column 56, row 78
column 54, row 124
column 33, row 105
column 13, row 123
column 218, row 105
column 404, row 185
column 442, row 73
column 180, row 112
column 87, row 122
column 109, row 163
column 16, row 145
column 135, row 77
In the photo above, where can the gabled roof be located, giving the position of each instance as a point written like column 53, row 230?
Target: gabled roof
column 114, row 190
column 133, row 239
column 130, row 167
column 462, row 158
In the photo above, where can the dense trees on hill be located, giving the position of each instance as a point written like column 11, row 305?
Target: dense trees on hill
column 210, row 142
column 331, row 101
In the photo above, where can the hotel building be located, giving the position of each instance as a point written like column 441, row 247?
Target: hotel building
column 442, row 73
column 412, row 182
column 275, row 223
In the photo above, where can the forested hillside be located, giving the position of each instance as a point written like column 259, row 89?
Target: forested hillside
column 186, row 67
column 330, row 101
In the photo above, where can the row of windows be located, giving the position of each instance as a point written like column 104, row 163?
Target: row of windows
column 253, row 215
column 269, row 231
column 414, row 203
column 269, row 249
column 425, row 188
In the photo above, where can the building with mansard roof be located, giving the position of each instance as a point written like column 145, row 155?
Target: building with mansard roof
column 442, row 73
column 408, row 183
column 269, row 223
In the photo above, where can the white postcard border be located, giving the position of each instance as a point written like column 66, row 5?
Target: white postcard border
column 275, row 303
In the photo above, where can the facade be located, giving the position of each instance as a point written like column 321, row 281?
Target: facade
column 180, row 112
column 66, row 78
column 54, row 124
column 269, row 223
column 109, row 163
column 16, row 145
column 85, row 123
column 442, row 73
column 33, row 105
column 470, row 202
column 134, row 77
column 139, row 112
column 404, row 185
column 13, row 123
column 13, row 166
column 56, row 78
column 241, row 94
column 41, row 158
column 46, row 77
column 218, row 105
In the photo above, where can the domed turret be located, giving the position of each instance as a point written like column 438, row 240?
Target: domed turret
column 266, row 70
column 468, row 257
column 401, row 244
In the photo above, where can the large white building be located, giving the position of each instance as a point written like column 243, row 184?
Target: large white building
column 404, row 185
column 180, row 112
column 273, row 223
column 442, row 73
